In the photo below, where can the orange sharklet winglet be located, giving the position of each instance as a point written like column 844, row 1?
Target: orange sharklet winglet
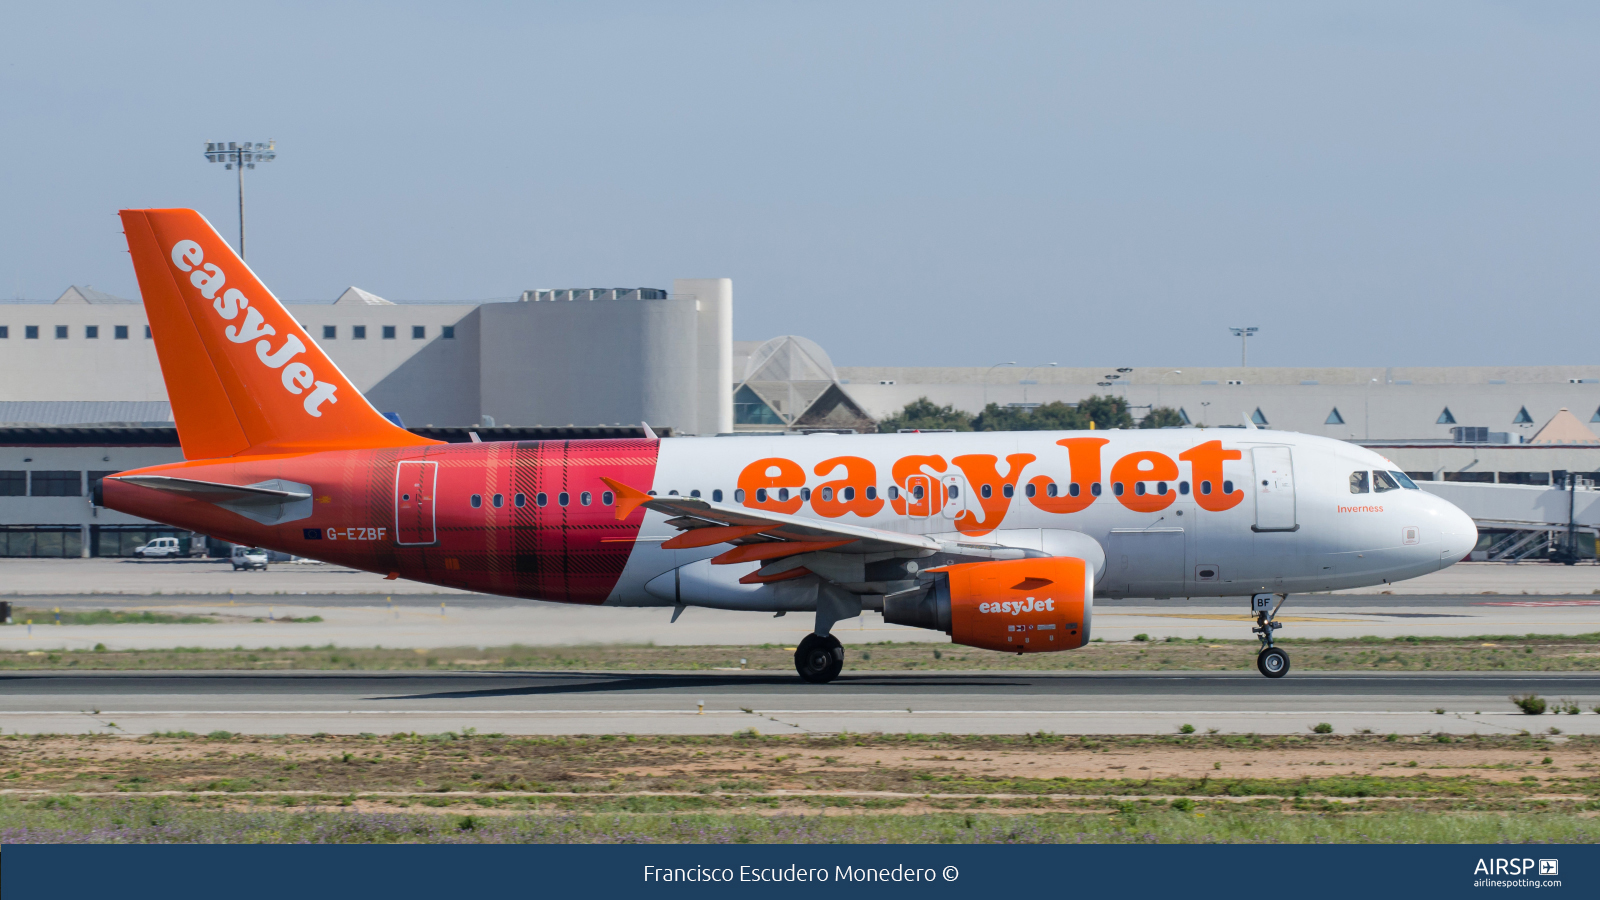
column 773, row 550
column 705, row 537
column 758, row 578
column 628, row 499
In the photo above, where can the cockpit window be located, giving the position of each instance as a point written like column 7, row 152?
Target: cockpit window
column 1405, row 481
column 1358, row 482
column 1383, row 481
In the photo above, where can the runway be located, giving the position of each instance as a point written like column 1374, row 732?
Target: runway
column 678, row 703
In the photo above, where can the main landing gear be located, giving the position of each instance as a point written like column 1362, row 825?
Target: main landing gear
column 1271, row 661
column 819, row 659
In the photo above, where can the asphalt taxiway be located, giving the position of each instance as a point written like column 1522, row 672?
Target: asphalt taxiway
column 680, row 703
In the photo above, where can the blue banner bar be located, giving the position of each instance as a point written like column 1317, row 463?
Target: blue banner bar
column 584, row 872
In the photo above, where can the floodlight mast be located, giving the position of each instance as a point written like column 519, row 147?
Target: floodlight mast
column 238, row 155
column 1243, row 334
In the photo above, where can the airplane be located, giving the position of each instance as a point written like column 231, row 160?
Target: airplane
column 1001, row 540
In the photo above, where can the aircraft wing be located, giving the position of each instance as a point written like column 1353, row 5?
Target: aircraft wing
column 759, row 534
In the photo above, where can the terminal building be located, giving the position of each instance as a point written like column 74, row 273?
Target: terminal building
column 81, row 393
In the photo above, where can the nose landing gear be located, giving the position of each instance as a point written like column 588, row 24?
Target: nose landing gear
column 1271, row 661
column 819, row 659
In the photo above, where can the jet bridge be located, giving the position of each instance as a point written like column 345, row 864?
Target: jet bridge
column 1517, row 522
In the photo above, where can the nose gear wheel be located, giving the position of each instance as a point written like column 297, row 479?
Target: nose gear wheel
column 819, row 659
column 1272, row 661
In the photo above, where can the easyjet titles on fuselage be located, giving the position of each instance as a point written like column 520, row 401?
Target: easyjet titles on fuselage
column 1142, row 481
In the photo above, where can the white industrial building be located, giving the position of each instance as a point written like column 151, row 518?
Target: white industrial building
column 81, row 392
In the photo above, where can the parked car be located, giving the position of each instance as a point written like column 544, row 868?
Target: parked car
column 248, row 558
column 159, row 548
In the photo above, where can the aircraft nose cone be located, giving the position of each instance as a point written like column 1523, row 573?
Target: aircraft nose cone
column 1458, row 534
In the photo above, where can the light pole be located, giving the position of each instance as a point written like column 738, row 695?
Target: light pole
column 1027, row 375
column 1205, row 413
column 1243, row 334
column 236, row 155
column 986, row 381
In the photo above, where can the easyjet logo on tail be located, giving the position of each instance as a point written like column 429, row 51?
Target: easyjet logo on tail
column 297, row 376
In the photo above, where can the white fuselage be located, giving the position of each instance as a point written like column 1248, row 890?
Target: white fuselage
column 1153, row 504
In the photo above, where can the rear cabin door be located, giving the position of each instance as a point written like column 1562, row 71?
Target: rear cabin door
column 1274, row 489
column 414, row 483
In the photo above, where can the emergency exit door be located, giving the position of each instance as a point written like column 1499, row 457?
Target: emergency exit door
column 414, row 483
column 1274, row 489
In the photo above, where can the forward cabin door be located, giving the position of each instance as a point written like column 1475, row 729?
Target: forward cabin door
column 1274, row 489
column 414, row 483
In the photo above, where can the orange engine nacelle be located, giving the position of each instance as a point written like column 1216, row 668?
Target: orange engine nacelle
column 1019, row 605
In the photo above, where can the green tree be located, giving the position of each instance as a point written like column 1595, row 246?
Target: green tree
column 922, row 413
column 1055, row 416
column 1106, row 411
column 1161, row 417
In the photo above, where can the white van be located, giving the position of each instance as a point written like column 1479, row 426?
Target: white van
column 248, row 558
column 160, row 548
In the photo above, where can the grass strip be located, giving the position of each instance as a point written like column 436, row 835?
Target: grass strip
column 1487, row 653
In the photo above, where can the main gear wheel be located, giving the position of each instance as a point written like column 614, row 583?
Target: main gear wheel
column 819, row 659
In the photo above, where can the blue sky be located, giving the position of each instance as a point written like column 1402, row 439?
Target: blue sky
column 913, row 183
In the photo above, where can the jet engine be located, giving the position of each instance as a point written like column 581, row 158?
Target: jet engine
column 1017, row 605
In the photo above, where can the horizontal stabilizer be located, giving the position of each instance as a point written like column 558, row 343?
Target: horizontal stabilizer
column 214, row 492
column 269, row 502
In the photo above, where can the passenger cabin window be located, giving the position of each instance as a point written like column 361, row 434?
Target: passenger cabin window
column 894, row 492
column 986, row 491
column 916, row 492
column 1029, row 490
column 477, row 500
column 827, row 495
column 849, row 494
column 586, row 498
column 1008, row 490
column 1383, row 482
column 606, row 498
column 541, row 498
column 520, row 500
column 1205, row 487
column 955, row 492
column 1358, row 482
column 783, row 493
column 1183, row 488
column 1116, row 488
column 1227, row 487
column 738, row 495
column 872, row 492
column 716, row 496
column 499, row 500
column 761, row 495
column 1405, row 481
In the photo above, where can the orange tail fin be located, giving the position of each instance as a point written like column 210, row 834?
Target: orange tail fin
column 242, row 375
